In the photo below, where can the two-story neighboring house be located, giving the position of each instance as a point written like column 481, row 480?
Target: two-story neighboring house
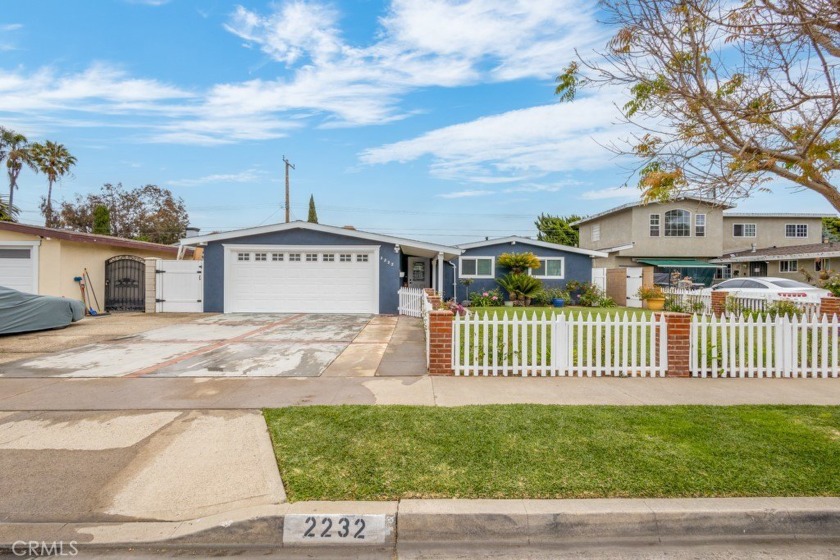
column 684, row 235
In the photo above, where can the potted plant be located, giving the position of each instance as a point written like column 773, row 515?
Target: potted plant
column 653, row 296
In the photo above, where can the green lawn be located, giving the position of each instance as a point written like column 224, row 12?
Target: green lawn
column 533, row 451
column 549, row 311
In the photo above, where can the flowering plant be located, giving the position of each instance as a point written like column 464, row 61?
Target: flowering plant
column 486, row 298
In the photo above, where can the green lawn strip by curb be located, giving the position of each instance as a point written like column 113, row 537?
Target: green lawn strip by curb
column 536, row 451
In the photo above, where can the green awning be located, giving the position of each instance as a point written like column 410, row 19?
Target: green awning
column 679, row 263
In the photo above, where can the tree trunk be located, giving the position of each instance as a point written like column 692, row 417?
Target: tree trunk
column 48, row 211
column 11, row 191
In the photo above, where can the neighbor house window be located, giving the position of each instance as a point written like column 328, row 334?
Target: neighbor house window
column 819, row 264
column 700, row 225
column 654, row 225
column 295, row 257
column 261, row 257
column 596, row 232
column 677, row 223
column 243, row 256
column 788, row 266
column 477, row 267
column 329, row 257
column 743, row 230
column 345, row 258
column 362, row 258
column 549, row 268
column 796, row 230
column 277, row 257
column 724, row 272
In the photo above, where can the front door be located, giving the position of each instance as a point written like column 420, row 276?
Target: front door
column 418, row 272
column 758, row 269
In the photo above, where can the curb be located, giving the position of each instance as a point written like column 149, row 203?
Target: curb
column 449, row 522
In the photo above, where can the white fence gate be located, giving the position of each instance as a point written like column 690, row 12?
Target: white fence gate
column 180, row 286
column 634, row 282
column 591, row 345
column 411, row 302
column 765, row 347
column 599, row 278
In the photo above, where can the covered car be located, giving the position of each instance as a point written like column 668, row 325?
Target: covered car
column 22, row 312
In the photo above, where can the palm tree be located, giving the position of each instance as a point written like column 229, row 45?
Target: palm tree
column 55, row 161
column 8, row 213
column 18, row 153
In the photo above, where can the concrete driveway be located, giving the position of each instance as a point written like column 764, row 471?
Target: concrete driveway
column 241, row 345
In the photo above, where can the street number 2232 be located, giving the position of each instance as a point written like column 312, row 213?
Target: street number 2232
column 344, row 528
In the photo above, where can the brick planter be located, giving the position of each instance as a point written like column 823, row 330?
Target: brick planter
column 719, row 303
column 440, row 342
column 678, row 343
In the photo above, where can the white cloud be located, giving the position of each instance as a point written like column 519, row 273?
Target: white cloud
column 11, row 26
column 247, row 176
column 612, row 192
column 513, row 146
column 465, row 194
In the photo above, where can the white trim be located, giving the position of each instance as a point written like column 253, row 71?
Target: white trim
column 477, row 276
column 302, row 249
column 561, row 277
column 795, row 268
column 777, row 215
column 34, row 259
column 618, row 248
column 247, row 232
column 514, row 239
column 665, row 222
column 795, row 225
column 658, row 225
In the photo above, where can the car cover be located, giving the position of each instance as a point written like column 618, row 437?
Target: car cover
column 22, row 312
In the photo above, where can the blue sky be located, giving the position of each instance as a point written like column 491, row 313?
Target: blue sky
column 434, row 120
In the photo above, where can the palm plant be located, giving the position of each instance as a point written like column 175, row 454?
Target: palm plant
column 520, row 286
column 55, row 161
column 8, row 213
column 17, row 153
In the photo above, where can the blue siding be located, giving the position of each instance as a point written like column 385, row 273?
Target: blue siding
column 214, row 266
column 577, row 267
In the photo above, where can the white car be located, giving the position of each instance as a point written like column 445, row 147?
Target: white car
column 769, row 287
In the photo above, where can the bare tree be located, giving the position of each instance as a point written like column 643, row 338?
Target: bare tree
column 725, row 96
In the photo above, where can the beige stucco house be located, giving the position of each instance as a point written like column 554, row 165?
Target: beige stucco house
column 45, row 261
column 688, row 233
column 816, row 259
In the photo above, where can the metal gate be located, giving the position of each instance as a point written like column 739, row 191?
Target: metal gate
column 125, row 286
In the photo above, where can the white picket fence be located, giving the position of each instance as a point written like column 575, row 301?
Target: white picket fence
column 529, row 345
column 692, row 301
column 765, row 347
column 411, row 301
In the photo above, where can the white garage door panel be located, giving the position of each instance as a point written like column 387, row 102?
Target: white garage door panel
column 17, row 269
column 302, row 286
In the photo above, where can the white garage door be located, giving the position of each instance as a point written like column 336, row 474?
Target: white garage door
column 17, row 268
column 302, row 279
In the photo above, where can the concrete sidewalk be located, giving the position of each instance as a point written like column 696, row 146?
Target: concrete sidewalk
column 216, row 393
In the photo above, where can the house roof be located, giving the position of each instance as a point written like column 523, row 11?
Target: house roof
column 794, row 252
column 643, row 203
column 776, row 215
column 91, row 238
column 513, row 239
column 419, row 248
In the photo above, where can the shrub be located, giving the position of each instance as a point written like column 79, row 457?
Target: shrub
column 520, row 286
column 548, row 295
column 832, row 284
column 487, row 298
column 518, row 263
column 591, row 295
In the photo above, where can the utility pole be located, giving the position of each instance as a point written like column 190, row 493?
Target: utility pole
column 288, row 165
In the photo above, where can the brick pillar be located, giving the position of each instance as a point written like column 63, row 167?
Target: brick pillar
column 440, row 342
column 151, row 285
column 719, row 302
column 678, row 341
column 830, row 306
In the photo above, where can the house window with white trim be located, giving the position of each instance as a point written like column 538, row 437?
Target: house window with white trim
column 550, row 268
column 654, row 225
column 700, row 225
column 677, row 223
column 294, row 257
column 743, row 230
column 243, row 256
column 796, row 230
column 477, row 267
column 261, row 257
column 788, row 266
column 277, row 257
column 345, row 258
column 596, row 232
column 329, row 257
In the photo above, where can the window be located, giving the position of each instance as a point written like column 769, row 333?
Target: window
column 654, row 225
column 819, row 264
column 294, row 257
column 743, row 230
column 345, row 258
column 753, row 285
column 262, row 257
column 311, row 257
column 277, row 257
column 596, row 232
column 796, row 230
column 477, row 267
column 362, row 258
column 700, row 225
column 788, row 266
column 329, row 257
column 677, row 223
column 724, row 272
column 243, row 256
column 549, row 268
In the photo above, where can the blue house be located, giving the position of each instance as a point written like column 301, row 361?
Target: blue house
column 559, row 264
column 300, row 267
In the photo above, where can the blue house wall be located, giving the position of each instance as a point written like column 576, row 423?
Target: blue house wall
column 214, row 265
column 576, row 266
